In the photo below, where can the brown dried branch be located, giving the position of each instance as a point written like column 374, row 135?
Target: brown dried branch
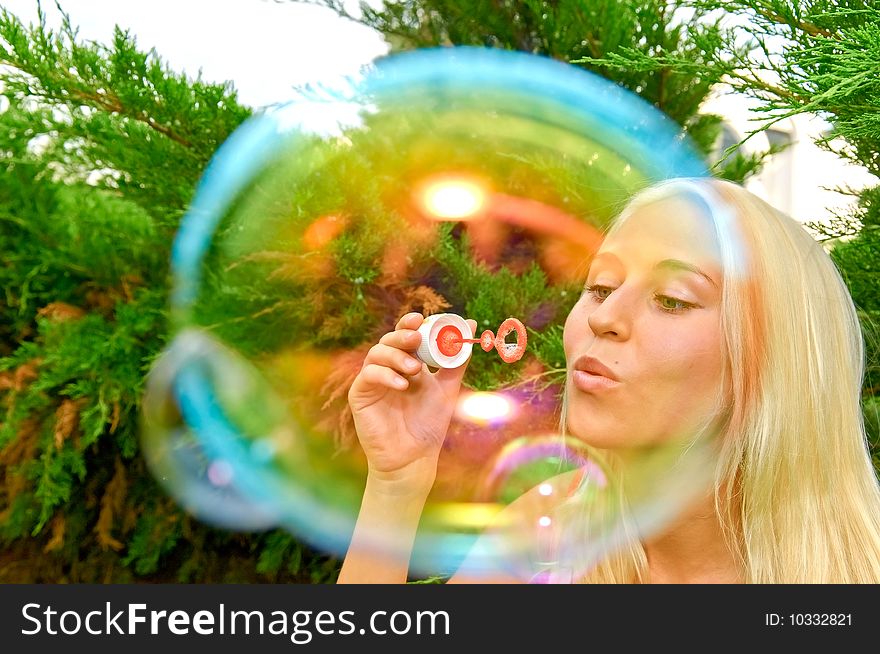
column 112, row 503
column 114, row 417
column 338, row 418
column 16, row 380
column 56, row 542
column 110, row 103
column 66, row 420
column 424, row 298
column 802, row 25
column 20, row 449
column 61, row 311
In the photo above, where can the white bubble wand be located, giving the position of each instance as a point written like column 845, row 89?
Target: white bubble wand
column 444, row 344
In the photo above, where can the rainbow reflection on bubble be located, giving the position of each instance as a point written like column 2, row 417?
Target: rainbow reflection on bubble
column 461, row 180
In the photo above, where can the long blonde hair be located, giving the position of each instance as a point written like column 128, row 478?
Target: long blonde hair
column 794, row 484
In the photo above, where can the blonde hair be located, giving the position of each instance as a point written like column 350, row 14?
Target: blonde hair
column 794, row 484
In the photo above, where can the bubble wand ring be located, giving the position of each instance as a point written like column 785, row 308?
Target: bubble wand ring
column 510, row 352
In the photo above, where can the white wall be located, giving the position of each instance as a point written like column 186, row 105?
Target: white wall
column 800, row 180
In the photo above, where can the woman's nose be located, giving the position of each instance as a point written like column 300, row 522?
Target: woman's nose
column 612, row 318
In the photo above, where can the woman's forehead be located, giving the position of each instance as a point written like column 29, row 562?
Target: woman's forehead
column 670, row 228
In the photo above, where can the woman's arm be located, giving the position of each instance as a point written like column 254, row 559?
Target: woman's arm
column 401, row 413
column 383, row 537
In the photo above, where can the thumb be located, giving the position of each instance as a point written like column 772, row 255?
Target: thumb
column 450, row 378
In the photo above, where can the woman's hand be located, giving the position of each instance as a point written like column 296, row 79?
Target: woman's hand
column 402, row 410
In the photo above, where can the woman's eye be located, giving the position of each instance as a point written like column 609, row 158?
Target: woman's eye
column 598, row 291
column 665, row 302
column 671, row 304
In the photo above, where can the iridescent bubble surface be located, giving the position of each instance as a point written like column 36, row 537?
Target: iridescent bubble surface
column 466, row 181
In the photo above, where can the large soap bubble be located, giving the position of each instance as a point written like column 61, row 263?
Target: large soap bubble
column 463, row 181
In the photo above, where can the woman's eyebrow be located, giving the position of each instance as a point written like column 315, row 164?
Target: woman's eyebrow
column 610, row 257
column 678, row 264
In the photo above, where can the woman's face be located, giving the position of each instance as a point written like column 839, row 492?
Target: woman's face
column 643, row 343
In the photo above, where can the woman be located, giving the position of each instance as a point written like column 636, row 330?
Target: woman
column 705, row 311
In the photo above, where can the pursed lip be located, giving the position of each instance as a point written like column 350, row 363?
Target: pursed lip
column 593, row 366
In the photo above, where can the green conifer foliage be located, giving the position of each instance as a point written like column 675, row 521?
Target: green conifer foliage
column 100, row 151
column 638, row 44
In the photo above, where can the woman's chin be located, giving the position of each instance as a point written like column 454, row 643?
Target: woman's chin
column 608, row 432
column 592, row 434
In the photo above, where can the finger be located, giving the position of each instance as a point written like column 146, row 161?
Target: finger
column 402, row 339
column 394, row 358
column 412, row 320
column 473, row 325
column 450, row 378
column 373, row 377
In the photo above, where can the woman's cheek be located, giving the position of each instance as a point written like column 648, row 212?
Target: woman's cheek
column 694, row 355
column 575, row 329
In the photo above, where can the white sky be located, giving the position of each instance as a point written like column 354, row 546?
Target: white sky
column 267, row 47
column 264, row 47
